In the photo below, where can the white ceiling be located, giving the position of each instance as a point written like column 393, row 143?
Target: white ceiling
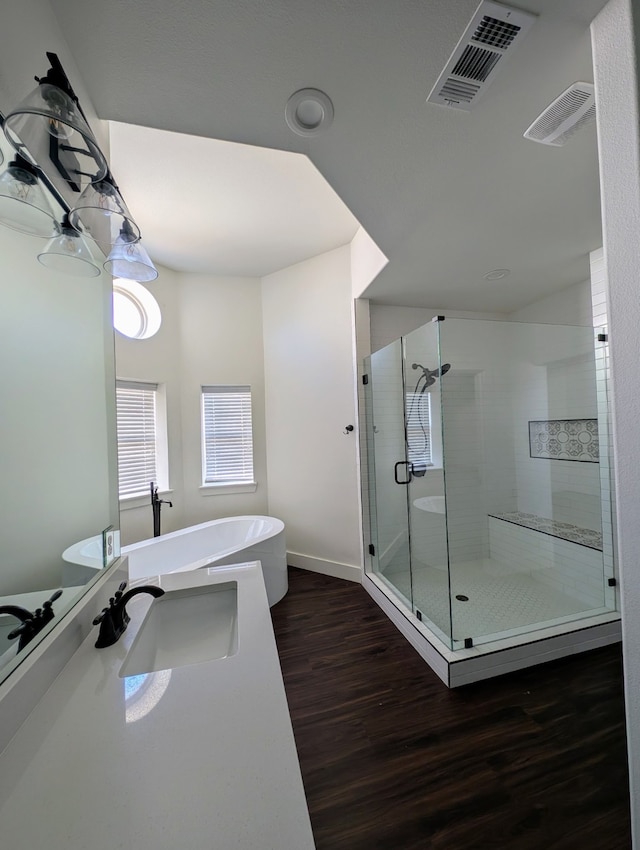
column 447, row 195
column 204, row 205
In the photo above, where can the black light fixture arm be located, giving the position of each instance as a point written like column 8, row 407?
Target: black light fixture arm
column 56, row 76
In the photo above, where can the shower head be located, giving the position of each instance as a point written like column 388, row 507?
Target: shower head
column 432, row 373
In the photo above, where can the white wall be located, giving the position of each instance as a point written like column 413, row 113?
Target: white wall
column 570, row 306
column 211, row 333
column 157, row 359
column 221, row 343
column 53, row 338
column 54, row 437
column 615, row 34
column 292, row 333
column 367, row 261
column 310, row 381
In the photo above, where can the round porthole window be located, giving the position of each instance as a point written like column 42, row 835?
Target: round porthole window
column 136, row 313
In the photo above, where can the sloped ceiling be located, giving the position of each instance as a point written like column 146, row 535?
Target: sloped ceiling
column 447, row 195
column 206, row 206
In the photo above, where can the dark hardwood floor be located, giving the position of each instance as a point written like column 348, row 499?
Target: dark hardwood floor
column 393, row 760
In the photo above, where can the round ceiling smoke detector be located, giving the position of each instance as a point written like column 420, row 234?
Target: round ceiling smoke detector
column 497, row 274
column 309, row 112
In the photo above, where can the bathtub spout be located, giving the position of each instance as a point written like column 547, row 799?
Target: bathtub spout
column 156, row 507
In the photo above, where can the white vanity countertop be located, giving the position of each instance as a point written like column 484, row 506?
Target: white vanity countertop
column 201, row 757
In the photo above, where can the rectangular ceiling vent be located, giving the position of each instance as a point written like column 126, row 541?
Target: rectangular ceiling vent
column 493, row 31
column 561, row 119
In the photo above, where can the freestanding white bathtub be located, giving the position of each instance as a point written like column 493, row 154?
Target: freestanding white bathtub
column 217, row 543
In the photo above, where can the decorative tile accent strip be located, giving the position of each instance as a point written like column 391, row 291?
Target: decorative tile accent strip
column 564, row 439
column 563, row 530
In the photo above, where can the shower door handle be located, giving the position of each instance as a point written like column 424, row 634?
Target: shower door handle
column 395, row 471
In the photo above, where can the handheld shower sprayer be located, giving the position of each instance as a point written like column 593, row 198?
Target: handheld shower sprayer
column 430, row 375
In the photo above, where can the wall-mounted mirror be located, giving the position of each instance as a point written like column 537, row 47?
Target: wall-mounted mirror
column 57, row 433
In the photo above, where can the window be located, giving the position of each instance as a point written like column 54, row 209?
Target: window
column 419, row 430
column 136, row 313
column 227, row 436
column 139, row 442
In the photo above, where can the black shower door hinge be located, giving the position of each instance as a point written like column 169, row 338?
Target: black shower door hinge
column 372, row 549
column 602, row 337
column 365, row 379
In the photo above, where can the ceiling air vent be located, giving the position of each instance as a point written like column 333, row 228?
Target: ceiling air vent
column 568, row 113
column 493, row 31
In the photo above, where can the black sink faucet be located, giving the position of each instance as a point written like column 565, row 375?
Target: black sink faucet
column 114, row 620
column 30, row 622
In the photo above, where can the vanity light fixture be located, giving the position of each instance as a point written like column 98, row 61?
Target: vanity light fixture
column 101, row 213
column 129, row 260
column 52, row 112
column 57, row 148
column 69, row 253
column 23, row 204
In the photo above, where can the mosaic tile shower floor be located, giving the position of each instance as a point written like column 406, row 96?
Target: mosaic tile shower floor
column 498, row 598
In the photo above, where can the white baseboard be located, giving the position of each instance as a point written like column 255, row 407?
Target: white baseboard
column 328, row 568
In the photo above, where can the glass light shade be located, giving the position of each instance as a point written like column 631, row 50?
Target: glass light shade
column 69, row 253
column 49, row 111
column 130, row 261
column 23, row 204
column 101, row 213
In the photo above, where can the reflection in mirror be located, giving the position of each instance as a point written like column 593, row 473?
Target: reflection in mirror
column 57, row 438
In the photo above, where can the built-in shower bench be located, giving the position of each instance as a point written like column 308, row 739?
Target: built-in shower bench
column 564, row 556
column 563, row 530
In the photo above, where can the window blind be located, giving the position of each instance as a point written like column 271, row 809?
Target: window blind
column 418, row 424
column 227, row 435
column 136, row 420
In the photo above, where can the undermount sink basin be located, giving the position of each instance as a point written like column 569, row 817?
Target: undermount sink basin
column 186, row 626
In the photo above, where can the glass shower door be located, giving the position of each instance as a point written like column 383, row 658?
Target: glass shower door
column 425, row 375
column 406, row 477
column 388, row 469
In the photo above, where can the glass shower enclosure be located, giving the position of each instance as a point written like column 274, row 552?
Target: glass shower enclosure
column 489, row 497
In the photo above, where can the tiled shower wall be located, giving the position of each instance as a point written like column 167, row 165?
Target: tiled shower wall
column 478, row 442
column 504, row 375
column 488, row 467
column 556, row 372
